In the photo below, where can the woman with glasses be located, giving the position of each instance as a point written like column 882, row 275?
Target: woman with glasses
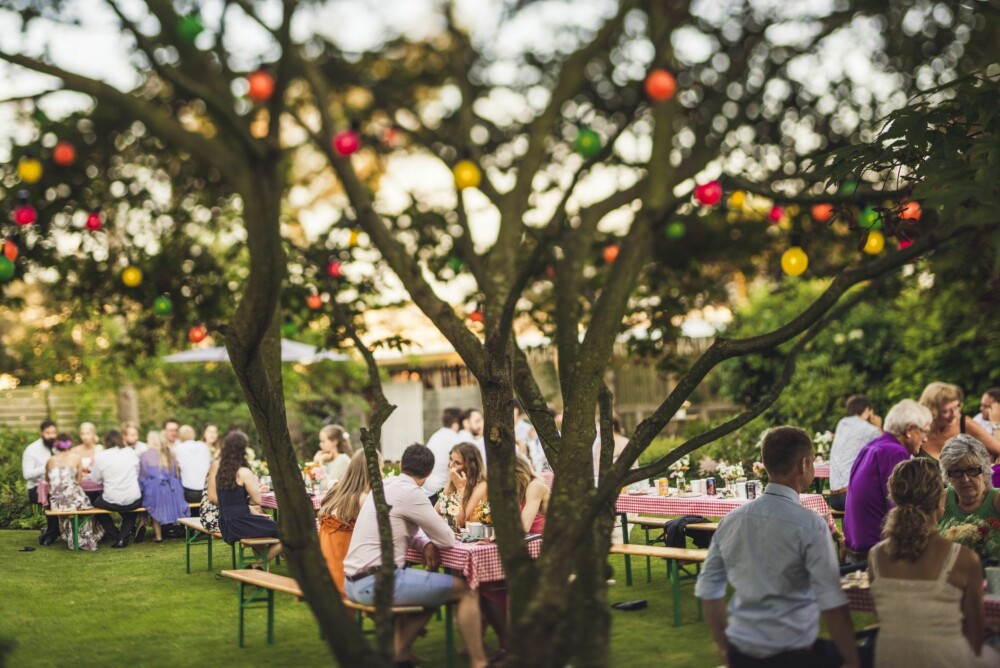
column 966, row 468
column 944, row 401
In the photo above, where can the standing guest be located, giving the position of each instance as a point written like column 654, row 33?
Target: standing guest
column 33, row 463
column 466, row 487
column 65, row 493
column 965, row 464
column 170, row 427
column 86, row 452
column 944, row 401
column 780, row 559
column 236, row 488
column 440, row 444
column 928, row 591
column 130, row 432
column 339, row 512
column 334, row 451
column 117, row 467
column 410, row 511
column 193, row 459
column 858, row 429
column 526, row 438
column 210, row 437
column 906, row 428
column 162, row 494
column 621, row 441
column 472, row 431
column 991, row 397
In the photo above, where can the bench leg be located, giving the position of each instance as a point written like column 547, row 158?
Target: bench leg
column 675, row 584
column 76, row 533
column 270, row 616
column 187, row 547
column 628, row 560
column 449, row 637
column 211, row 539
column 649, row 566
column 232, row 549
column 240, row 594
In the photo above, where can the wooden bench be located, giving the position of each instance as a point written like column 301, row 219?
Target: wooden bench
column 195, row 533
column 265, row 584
column 86, row 515
column 252, row 558
column 674, row 556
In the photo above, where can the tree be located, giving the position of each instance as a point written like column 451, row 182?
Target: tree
column 742, row 108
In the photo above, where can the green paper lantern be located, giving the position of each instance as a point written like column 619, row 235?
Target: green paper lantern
column 871, row 219
column 849, row 187
column 587, row 143
column 455, row 264
column 288, row 329
column 6, row 269
column 189, row 27
column 162, row 305
column 675, row 230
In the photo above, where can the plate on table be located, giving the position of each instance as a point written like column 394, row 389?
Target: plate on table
column 689, row 495
column 638, row 492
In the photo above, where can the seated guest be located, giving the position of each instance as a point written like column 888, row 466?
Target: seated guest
column 85, row 452
column 990, row 398
column 130, row 432
column 944, row 401
column 868, row 502
column 65, row 493
column 466, row 487
column 339, row 511
column 236, row 487
column 33, row 462
column 208, row 511
column 858, row 429
column 193, row 459
column 117, row 467
column 410, row 511
column 162, row 494
column 472, row 431
column 780, row 559
column 928, row 591
column 532, row 496
column 210, row 437
column 334, row 451
column 965, row 465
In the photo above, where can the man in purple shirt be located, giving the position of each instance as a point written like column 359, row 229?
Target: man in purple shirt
column 906, row 428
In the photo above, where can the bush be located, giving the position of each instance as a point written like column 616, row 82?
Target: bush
column 15, row 511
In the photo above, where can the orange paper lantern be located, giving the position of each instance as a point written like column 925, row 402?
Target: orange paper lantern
column 822, row 212
column 611, row 253
column 261, row 86
column 660, row 85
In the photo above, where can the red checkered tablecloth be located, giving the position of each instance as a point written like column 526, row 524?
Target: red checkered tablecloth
column 707, row 506
column 859, row 599
column 268, row 500
column 478, row 562
column 822, row 470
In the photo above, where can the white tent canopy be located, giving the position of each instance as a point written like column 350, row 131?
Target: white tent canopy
column 291, row 351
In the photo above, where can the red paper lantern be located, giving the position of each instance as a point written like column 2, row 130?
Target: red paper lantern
column 261, row 86
column 314, row 301
column 660, row 85
column 197, row 333
column 346, row 142
column 64, row 154
column 25, row 214
column 904, row 243
column 708, row 194
column 610, row 253
column 335, row 269
column 94, row 221
column 911, row 211
column 550, row 271
column 776, row 213
column 822, row 212
column 476, row 316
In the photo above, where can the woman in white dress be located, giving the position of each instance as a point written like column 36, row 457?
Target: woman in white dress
column 928, row 591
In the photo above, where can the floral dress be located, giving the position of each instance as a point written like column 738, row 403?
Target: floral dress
column 208, row 511
column 65, row 493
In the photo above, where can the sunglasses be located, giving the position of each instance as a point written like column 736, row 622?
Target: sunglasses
column 972, row 472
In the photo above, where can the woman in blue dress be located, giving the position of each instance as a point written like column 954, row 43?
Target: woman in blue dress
column 159, row 479
column 238, row 493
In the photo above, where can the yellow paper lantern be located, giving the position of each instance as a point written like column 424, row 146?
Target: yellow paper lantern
column 467, row 175
column 131, row 276
column 352, row 240
column 738, row 198
column 794, row 261
column 875, row 243
column 29, row 169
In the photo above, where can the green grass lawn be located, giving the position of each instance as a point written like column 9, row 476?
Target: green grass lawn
column 138, row 607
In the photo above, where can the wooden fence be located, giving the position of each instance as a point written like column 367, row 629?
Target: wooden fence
column 26, row 407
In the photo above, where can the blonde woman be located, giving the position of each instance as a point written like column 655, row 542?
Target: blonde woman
column 532, row 496
column 944, row 401
column 928, row 591
column 338, row 513
column 85, row 453
column 334, row 451
column 159, row 479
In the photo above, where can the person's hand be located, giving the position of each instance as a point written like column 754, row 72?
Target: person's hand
column 876, row 420
column 432, row 558
column 458, row 479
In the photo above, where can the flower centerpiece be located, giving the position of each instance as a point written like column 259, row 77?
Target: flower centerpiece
column 485, row 515
column 259, row 468
column 312, row 473
column 678, row 471
column 980, row 536
column 760, row 473
column 731, row 473
column 822, row 440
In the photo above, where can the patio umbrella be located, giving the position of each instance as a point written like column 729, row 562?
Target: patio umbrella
column 291, row 351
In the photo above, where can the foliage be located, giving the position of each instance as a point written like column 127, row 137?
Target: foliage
column 15, row 511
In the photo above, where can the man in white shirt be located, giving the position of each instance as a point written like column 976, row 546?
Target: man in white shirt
column 130, row 432
column 193, row 459
column 858, row 429
column 117, row 467
column 780, row 560
column 410, row 511
column 440, row 444
column 170, row 427
column 33, row 462
column 526, row 439
column 472, row 431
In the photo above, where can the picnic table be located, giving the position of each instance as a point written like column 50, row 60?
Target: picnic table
column 478, row 562
column 859, row 599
